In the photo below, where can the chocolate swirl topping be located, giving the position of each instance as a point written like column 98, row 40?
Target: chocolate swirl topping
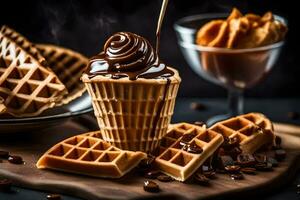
column 128, row 54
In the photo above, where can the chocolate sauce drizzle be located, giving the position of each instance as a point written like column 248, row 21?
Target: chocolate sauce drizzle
column 129, row 55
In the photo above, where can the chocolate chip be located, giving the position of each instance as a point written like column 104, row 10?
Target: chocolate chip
column 264, row 167
column 198, row 123
column 197, row 106
column 237, row 176
column 273, row 161
column 150, row 186
column 278, row 140
column 225, row 161
column 280, row 154
column 246, row 160
column 193, row 148
column 248, row 170
column 4, row 154
column 230, row 143
column 53, row 197
column 201, row 179
column 293, row 115
column 152, row 174
column 15, row 160
column 164, row 178
column 5, row 185
column 186, row 138
column 232, row 169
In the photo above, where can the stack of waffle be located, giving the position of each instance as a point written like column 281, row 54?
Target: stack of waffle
column 34, row 78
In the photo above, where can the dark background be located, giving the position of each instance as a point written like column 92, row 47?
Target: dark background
column 84, row 25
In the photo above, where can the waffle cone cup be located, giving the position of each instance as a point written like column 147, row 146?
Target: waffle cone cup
column 128, row 111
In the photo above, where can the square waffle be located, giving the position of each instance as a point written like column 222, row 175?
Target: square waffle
column 178, row 163
column 90, row 155
column 27, row 85
column 252, row 130
column 68, row 65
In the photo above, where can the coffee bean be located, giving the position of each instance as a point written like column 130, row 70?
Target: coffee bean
column 248, row 170
column 293, row 115
column 246, row 160
column 237, row 176
column 201, row 179
column 152, row 174
column 260, row 158
column 164, row 178
column 5, row 185
column 147, row 163
column 210, row 174
column 53, row 197
column 198, row 123
column 280, row 154
column 232, row 169
column 273, row 161
column 150, row 186
column 15, row 160
column 278, row 140
column 264, row 167
column 225, row 161
column 197, row 106
column 4, row 154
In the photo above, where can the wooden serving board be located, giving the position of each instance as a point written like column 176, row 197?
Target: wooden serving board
column 130, row 186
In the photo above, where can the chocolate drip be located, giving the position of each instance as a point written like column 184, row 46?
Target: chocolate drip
column 126, row 54
column 160, row 107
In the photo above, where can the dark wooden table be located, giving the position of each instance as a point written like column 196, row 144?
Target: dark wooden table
column 276, row 109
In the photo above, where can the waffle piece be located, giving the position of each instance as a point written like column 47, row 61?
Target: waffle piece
column 68, row 65
column 252, row 130
column 27, row 86
column 178, row 163
column 88, row 154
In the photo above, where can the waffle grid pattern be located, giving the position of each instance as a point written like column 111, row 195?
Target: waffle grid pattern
column 26, row 85
column 126, row 112
column 252, row 130
column 69, row 66
column 88, row 154
column 178, row 163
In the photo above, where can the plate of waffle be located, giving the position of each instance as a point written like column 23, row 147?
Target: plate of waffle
column 38, row 82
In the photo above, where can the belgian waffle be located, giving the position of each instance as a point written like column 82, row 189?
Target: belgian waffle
column 27, row 85
column 178, row 163
column 68, row 65
column 252, row 130
column 90, row 155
